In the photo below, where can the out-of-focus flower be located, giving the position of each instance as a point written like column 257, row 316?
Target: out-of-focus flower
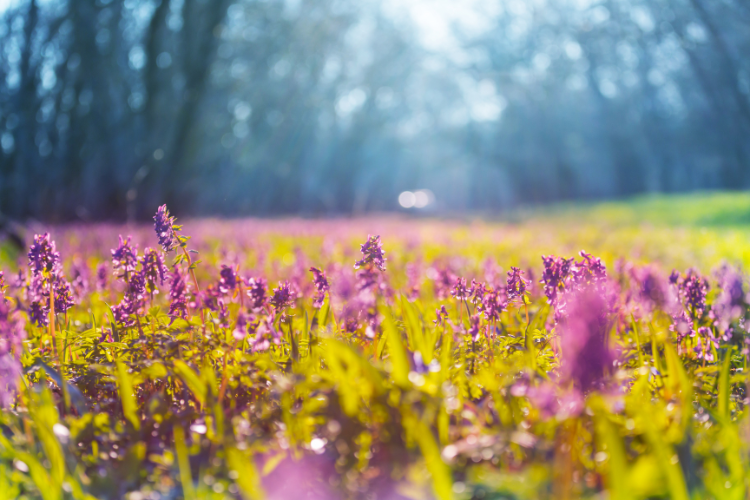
column 257, row 293
column 124, row 257
column 443, row 280
column 228, row 280
column 586, row 354
column 413, row 282
column 79, row 274
column 694, row 288
column 165, row 229
column 475, row 327
column 283, row 296
column 102, row 274
column 705, row 342
column 442, row 315
column 373, row 254
column 730, row 305
column 10, row 373
column 321, row 286
column 12, row 331
column 460, row 291
column 492, row 305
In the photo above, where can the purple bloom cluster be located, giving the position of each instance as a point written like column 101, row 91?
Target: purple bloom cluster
column 517, row 284
column 178, row 293
column 46, row 277
column 373, row 254
column 165, row 229
column 556, row 270
column 321, row 286
column 283, row 296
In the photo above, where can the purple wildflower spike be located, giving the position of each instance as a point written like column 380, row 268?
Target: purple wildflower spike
column 492, row 305
column 43, row 258
column 442, row 315
column 165, row 230
column 474, row 328
column 556, row 270
column 283, row 296
column 178, row 290
column 153, row 270
column 373, row 254
column 124, row 257
column 228, row 280
column 460, row 291
column 257, row 293
column 63, row 296
column 321, row 285
column 516, row 284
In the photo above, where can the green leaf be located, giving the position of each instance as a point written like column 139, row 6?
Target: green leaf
column 399, row 360
column 183, row 462
column 127, row 395
column 192, row 380
column 248, row 478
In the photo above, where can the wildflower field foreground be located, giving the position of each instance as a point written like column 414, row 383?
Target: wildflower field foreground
column 566, row 356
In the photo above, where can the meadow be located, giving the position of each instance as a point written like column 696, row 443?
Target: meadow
column 576, row 351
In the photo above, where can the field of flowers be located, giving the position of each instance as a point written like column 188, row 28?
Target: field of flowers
column 297, row 359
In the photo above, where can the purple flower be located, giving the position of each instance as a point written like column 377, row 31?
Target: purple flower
column 442, row 315
column 321, row 285
column 43, row 258
column 730, row 304
column 516, row 285
column 693, row 289
column 153, row 270
column 705, row 341
column 133, row 300
column 589, row 270
column 228, row 280
column 283, row 296
column 474, row 327
column 102, row 274
column 586, row 355
column 556, row 270
column 12, row 331
column 256, row 292
column 80, row 283
column 10, row 373
column 478, row 290
column 178, row 290
column 653, row 291
column 460, row 292
column 443, row 281
column 63, row 296
column 165, row 229
column 492, row 305
column 124, row 257
column 373, row 254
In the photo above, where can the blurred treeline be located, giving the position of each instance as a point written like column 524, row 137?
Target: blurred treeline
column 335, row 106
